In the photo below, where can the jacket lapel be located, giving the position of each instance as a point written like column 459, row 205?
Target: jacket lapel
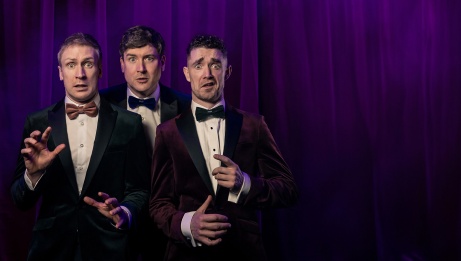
column 57, row 120
column 233, row 126
column 169, row 104
column 186, row 127
column 106, row 122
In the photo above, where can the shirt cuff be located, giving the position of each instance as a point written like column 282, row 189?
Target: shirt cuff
column 128, row 213
column 185, row 228
column 29, row 182
column 238, row 197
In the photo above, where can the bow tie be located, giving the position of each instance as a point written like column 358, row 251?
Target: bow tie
column 134, row 102
column 89, row 109
column 203, row 114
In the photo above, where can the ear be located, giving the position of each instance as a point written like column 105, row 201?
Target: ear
column 162, row 61
column 100, row 71
column 60, row 73
column 122, row 65
column 228, row 72
column 186, row 73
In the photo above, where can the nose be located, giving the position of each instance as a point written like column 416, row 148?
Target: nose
column 140, row 66
column 81, row 72
column 207, row 73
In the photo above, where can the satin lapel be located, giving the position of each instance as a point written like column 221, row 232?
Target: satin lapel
column 186, row 127
column 106, row 122
column 57, row 120
column 169, row 104
column 233, row 126
column 123, row 103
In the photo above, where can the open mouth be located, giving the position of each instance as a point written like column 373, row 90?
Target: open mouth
column 208, row 84
column 142, row 80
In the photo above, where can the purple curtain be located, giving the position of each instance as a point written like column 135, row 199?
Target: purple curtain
column 362, row 97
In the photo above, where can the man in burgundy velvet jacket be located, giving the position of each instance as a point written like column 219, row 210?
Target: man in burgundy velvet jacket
column 214, row 167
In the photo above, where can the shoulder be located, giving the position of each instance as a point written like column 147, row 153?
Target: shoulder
column 114, row 90
column 169, row 93
column 43, row 113
column 247, row 115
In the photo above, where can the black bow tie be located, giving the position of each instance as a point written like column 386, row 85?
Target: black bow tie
column 203, row 114
column 134, row 102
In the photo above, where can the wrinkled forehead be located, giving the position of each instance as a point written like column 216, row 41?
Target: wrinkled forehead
column 74, row 51
column 206, row 54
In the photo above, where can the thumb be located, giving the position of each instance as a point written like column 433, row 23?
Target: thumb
column 205, row 204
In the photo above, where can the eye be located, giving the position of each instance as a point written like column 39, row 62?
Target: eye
column 216, row 66
column 149, row 59
column 89, row 64
column 131, row 59
column 198, row 66
column 70, row 65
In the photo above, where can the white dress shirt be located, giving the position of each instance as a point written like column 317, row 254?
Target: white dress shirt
column 211, row 134
column 81, row 133
column 150, row 119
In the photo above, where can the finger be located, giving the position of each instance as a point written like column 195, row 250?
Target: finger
column 210, row 241
column 35, row 134
column 112, row 201
column 26, row 152
column 46, row 135
column 228, row 162
column 58, row 149
column 120, row 223
column 213, row 218
column 115, row 211
column 29, row 142
column 226, row 183
column 90, row 201
column 204, row 206
column 103, row 195
column 218, row 170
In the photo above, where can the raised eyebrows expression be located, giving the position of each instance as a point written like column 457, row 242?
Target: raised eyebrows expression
column 215, row 63
column 72, row 62
column 147, row 58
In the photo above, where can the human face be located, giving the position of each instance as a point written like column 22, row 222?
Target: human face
column 142, row 68
column 80, row 71
column 207, row 71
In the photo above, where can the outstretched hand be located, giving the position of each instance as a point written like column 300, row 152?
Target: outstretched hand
column 110, row 208
column 208, row 228
column 36, row 155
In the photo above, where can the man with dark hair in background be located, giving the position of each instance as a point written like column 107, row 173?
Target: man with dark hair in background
column 214, row 167
column 74, row 152
column 142, row 61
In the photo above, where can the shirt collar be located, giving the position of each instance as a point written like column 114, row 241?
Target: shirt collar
column 96, row 100
column 155, row 94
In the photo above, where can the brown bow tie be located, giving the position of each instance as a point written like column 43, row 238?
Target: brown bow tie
column 89, row 109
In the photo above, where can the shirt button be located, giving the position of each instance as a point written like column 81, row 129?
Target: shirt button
column 214, row 149
column 81, row 145
column 81, row 123
column 211, row 127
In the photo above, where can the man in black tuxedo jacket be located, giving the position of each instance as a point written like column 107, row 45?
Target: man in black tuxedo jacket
column 75, row 152
column 142, row 60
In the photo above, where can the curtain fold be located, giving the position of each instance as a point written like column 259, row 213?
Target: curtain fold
column 362, row 97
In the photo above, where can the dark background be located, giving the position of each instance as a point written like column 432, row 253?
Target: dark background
column 362, row 97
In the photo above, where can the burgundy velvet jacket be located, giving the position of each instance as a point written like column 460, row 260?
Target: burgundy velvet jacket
column 181, row 183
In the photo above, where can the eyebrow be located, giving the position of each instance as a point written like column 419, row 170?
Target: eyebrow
column 198, row 61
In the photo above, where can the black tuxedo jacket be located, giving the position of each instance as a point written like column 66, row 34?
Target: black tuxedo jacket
column 118, row 166
column 181, row 183
column 149, row 241
column 172, row 101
